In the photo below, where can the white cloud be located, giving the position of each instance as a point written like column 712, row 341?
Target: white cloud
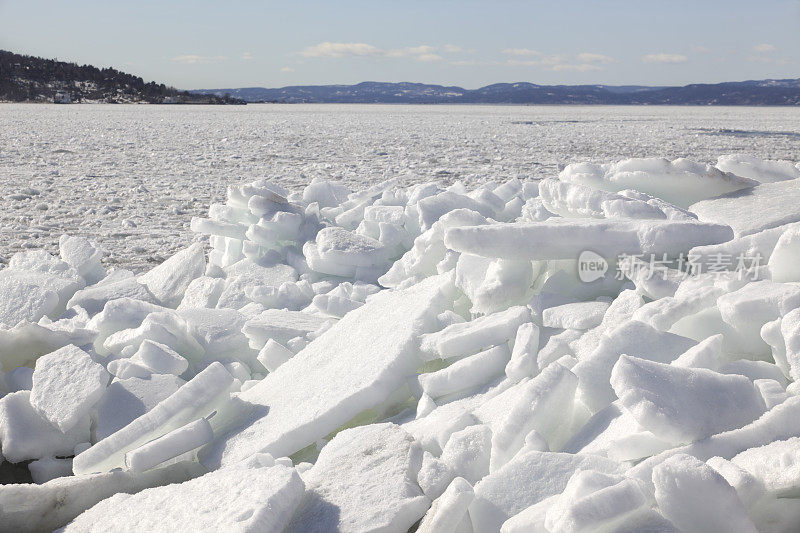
column 338, row 50
column 523, row 52
column 287, row 69
column 452, row 49
column 247, row 56
column 588, row 57
column 764, row 48
column 194, row 59
column 523, row 63
column 464, row 63
column 700, row 49
column 566, row 67
column 328, row 49
column 665, row 58
column 428, row 57
column 584, row 62
column 415, row 50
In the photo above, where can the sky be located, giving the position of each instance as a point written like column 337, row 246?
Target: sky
column 469, row 43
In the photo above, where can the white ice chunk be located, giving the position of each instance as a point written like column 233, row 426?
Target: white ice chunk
column 449, row 509
column 202, row 292
column 246, row 276
column 347, row 248
column 66, row 385
column 528, row 479
column 579, row 201
column 22, row 297
column 83, row 256
column 706, row 354
column 593, row 501
column 434, row 476
column 281, row 325
column 199, row 397
column 578, row 315
column 25, row 434
column 176, row 442
column 159, row 358
column 695, row 497
column 127, row 399
column 749, row 308
column 273, row 355
column 761, row 170
column 95, row 297
column 353, row 366
column 543, row 404
column 169, row 280
column 363, row 480
column 466, row 373
column 632, row 338
column 749, row 251
column 494, row 285
column 681, row 181
column 784, row 263
column 790, row 331
column 753, row 210
column 49, row 468
column 232, row 499
column 523, row 361
column 471, row 337
column 468, row 451
column 779, row 423
column 566, row 238
column 666, row 399
column 27, row 507
column 776, row 465
column 165, row 327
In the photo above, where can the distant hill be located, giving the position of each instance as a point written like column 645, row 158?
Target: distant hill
column 754, row 92
column 34, row 79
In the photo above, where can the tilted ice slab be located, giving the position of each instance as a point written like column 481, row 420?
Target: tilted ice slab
column 232, row 499
column 45, row 507
column 199, row 397
column 753, row 210
column 761, row 170
column 558, row 238
column 353, row 366
column 579, row 201
column 681, row 182
column 528, row 479
column 169, row 280
column 363, row 480
column 667, row 400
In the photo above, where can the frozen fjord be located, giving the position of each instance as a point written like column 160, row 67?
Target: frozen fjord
column 375, row 358
column 135, row 175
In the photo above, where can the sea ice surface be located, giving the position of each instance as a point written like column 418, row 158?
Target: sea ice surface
column 332, row 351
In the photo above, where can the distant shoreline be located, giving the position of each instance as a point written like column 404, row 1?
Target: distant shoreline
column 401, row 104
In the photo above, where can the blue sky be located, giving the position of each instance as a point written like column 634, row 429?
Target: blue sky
column 202, row 44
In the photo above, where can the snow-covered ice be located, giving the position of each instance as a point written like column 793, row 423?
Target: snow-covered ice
column 453, row 355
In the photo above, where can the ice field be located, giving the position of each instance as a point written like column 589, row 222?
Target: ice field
column 135, row 175
column 400, row 332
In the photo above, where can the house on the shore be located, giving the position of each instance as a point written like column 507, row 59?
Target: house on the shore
column 62, row 97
